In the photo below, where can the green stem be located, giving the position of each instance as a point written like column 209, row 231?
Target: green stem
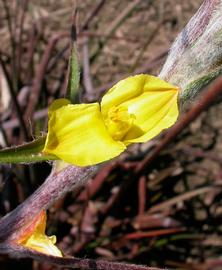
column 26, row 153
column 74, row 75
column 194, row 88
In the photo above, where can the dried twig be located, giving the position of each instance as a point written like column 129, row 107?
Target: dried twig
column 146, row 45
column 141, row 195
column 180, row 198
column 24, row 7
column 94, row 12
column 37, row 84
column 33, row 37
column 55, row 186
column 113, row 27
column 86, row 264
column 15, row 101
column 90, row 95
column 13, row 45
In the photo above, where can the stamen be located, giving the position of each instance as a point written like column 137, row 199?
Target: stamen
column 119, row 121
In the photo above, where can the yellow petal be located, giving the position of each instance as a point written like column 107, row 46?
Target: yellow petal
column 150, row 103
column 154, row 83
column 77, row 134
column 43, row 244
column 132, row 87
column 34, row 237
column 124, row 90
column 56, row 104
column 151, row 120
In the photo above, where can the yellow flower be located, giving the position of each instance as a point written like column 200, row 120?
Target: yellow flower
column 34, row 237
column 134, row 110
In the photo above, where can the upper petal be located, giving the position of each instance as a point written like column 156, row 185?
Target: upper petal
column 151, row 119
column 77, row 135
column 132, row 87
column 122, row 91
column 56, row 104
column 154, row 83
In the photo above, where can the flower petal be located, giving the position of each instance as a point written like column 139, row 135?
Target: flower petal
column 34, row 237
column 151, row 119
column 154, row 83
column 56, row 104
column 124, row 90
column 43, row 244
column 132, row 87
column 77, row 135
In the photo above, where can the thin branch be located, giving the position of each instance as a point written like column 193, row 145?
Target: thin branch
column 32, row 37
column 148, row 41
column 180, row 198
column 126, row 12
column 71, row 262
column 81, row 32
column 24, row 7
column 41, row 70
column 94, row 12
column 15, row 101
column 13, row 45
column 90, row 94
column 55, row 186
column 13, row 123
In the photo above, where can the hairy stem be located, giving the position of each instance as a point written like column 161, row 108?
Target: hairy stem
column 55, row 186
